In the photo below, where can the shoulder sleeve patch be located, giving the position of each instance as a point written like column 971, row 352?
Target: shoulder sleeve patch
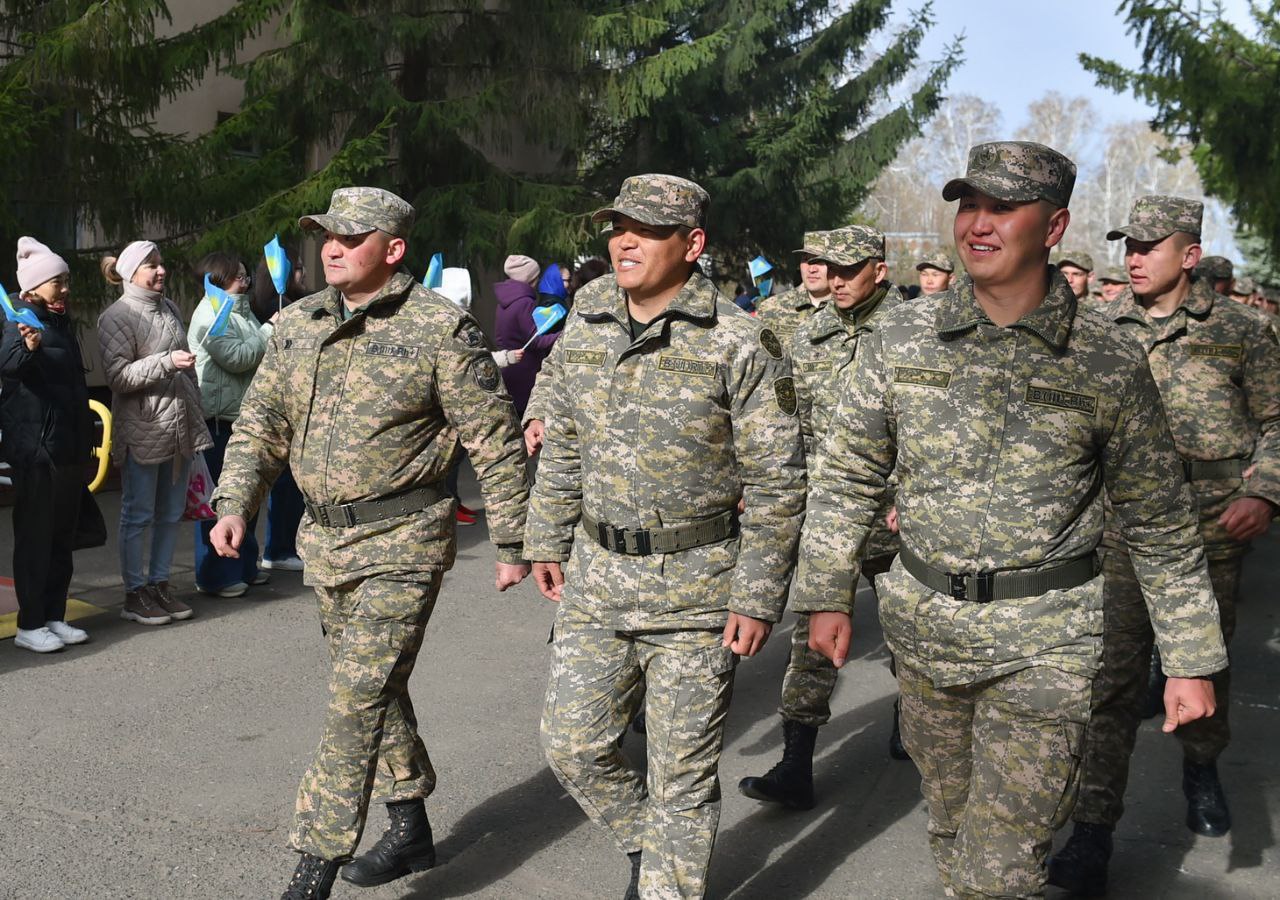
column 486, row 374
column 769, row 341
column 784, row 391
column 469, row 335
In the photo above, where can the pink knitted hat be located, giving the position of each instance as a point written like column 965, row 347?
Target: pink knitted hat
column 37, row 264
column 522, row 268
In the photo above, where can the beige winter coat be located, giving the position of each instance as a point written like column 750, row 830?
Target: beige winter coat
column 155, row 406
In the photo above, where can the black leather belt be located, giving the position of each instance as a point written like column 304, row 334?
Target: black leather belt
column 362, row 512
column 984, row 587
column 1209, row 469
column 648, row 541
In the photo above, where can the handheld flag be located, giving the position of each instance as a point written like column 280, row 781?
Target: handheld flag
column 758, row 268
column 21, row 316
column 435, row 272
column 223, row 303
column 544, row 318
column 277, row 264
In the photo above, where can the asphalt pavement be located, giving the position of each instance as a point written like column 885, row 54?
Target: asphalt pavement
column 162, row 762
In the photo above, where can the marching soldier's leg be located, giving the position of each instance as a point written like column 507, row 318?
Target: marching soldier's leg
column 690, row 678
column 1205, row 739
column 1028, row 733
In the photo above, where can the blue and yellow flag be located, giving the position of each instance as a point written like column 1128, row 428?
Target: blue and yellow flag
column 544, row 319
column 21, row 316
column 277, row 264
column 435, row 272
column 223, row 303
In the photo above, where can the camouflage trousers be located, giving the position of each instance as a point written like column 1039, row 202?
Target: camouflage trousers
column 374, row 628
column 593, row 693
column 999, row 764
column 1121, row 682
column 810, row 678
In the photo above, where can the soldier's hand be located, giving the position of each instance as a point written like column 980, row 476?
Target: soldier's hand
column 891, row 520
column 533, row 436
column 227, row 535
column 1247, row 518
column 744, row 635
column 830, row 634
column 1185, row 700
column 509, row 575
column 549, row 579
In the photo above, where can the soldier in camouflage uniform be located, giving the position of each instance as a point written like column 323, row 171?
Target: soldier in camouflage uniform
column 1076, row 268
column 822, row 354
column 1218, row 271
column 667, row 405
column 1218, row 371
column 935, row 272
column 784, row 313
column 1004, row 409
column 1113, row 280
column 365, row 391
column 1242, row 290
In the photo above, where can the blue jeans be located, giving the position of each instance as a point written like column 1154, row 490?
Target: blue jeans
column 284, row 514
column 151, row 495
column 214, row 572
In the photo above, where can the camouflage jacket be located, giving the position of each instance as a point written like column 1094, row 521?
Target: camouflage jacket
column 1218, row 369
column 1003, row 439
column 370, row 407
column 668, row 429
column 822, row 354
column 786, row 312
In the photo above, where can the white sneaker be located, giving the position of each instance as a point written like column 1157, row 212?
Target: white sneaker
column 41, row 640
column 69, row 634
column 229, row 592
column 288, row 564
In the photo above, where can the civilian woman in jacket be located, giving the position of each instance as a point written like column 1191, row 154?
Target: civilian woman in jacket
column 157, row 423
column 225, row 365
column 45, row 436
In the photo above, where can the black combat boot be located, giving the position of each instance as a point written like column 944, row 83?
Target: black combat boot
column 312, row 879
column 1153, row 699
column 633, row 889
column 790, row 782
column 1081, row 865
column 1207, row 811
column 896, row 750
column 406, row 846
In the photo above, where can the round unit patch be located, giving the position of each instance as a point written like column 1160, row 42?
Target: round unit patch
column 486, row 371
column 470, row 336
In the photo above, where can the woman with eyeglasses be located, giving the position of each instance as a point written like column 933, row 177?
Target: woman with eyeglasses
column 225, row 365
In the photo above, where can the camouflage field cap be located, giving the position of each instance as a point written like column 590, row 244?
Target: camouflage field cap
column 815, row 243
column 850, row 246
column 659, row 200
column 1214, row 267
column 939, row 260
column 1243, row 286
column 1113, row 275
column 1079, row 260
column 1156, row 216
column 359, row 210
column 1017, row 171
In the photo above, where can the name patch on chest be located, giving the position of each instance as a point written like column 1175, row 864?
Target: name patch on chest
column 1058, row 399
column 298, row 344
column 580, row 357
column 1216, row 351
column 686, row 366
column 935, row 378
column 399, row 351
column 813, row 366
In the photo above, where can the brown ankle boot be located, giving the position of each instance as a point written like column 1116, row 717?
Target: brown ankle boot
column 141, row 607
column 165, row 600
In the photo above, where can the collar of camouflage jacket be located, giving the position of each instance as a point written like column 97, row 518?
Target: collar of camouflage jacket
column 959, row 311
column 1198, row 302
column 830, row 319
column 696, row 300
column 327, row 300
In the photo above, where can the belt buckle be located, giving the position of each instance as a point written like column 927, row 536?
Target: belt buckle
column 643, row 542
column 348, row 515
column 612, row 537
column 984, row 586
column 956, row 587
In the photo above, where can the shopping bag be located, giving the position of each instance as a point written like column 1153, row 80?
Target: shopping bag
column 199, row 491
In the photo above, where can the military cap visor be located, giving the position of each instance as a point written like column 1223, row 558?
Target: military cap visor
column 1147, row 233
column 992, row 187
column 335, row 225
column 641, row 215
column 846, row 258
column 360, row 210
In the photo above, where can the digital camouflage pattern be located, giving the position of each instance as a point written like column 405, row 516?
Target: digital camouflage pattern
column 815, row 243
column 1243, row 287
column 1078, row 259
column 1214, row 267
column 368, row 694
column 1017, row 171
column 852, row 245
column 659, row 200
column 1003, row 759
column 1002, row 439
column 669, row 429
column 358, row 210
column 1121, row 682
column 1217, row 366
column 1156, row 216
column 784, row 313
column 1114, row 275
column 940, row 260
column 599, row 677
column 368, row 407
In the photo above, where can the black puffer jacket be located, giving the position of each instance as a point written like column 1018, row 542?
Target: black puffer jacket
column 44, row 403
